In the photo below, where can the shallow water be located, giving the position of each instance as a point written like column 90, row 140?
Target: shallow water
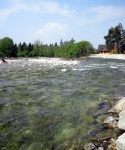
column 57, row 108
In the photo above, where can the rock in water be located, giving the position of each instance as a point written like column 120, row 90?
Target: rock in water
column 89, row 146
column 3, row 60
column 121, row 122
column 110, row 121
column 120, row 142
column 120, row 105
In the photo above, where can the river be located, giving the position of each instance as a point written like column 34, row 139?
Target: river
column 57, row 108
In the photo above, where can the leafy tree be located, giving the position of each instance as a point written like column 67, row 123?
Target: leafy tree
column 80, row 49
column 115, row 37
column 6, row 47
column 110, row 41
column 68, row 49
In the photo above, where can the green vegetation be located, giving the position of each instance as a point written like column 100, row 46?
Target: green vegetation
column 116, row 38
column 68, row 49
column 7, row 47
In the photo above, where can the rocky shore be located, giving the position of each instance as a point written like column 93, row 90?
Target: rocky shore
column 42, row 60
column 115, row 120
column 60, row 61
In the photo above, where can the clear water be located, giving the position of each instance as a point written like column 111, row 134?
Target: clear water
column 57, row 108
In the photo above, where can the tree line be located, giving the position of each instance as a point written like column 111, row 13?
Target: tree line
column 115, row 39
column 68, row 49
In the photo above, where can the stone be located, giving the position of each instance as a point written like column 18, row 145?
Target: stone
column 89, row 146
column 100, row 148
column 121, row 122
column 105, row 145
column 119, row 106
column 110, row 121
column 112, row 145
column 120, row 142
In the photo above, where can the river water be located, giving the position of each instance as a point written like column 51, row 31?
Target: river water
column 57, row 108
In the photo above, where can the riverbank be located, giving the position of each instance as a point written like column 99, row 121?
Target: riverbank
column 109, row 56
column 61, row 61
column 116, row 121
column 43, row 61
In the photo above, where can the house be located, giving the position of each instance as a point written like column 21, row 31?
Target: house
column 102, row 49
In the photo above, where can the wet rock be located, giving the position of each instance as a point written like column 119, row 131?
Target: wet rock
column 110, row 122
column 121, row 122
column 3, row 60
column 120, row 105
column 90, row 146
column 100, row 148
column 120, row 142
column 112, row 145
column 105, row 145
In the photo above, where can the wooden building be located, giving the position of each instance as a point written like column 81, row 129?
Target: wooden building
column 102, row 49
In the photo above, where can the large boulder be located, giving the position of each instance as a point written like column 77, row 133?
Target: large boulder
column 121, row 122
column 120, row 142
column 110, row 122
column 120, row 105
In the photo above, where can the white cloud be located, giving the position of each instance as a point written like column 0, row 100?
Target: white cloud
column 103, row 14
column 50, row 32
column 35, row 6
column 5, row 13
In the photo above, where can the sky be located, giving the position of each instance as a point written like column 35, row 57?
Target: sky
column 52, row 20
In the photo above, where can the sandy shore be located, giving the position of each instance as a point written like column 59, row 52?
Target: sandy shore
column 110, row 56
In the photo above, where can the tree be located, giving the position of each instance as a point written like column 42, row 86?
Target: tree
column 55, row 44
column 61, row 42
column 20, row 47
column 14, row 52
column 6, row 47
column 72, row 41
column 24, row 46
column 30, row 47
column 110, row 41
column 79, row 49
column 115, row 37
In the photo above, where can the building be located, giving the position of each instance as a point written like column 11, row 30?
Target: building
column 102, row 49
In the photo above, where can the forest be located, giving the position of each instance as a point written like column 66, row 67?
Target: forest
column 66, row 49
column 114, row 40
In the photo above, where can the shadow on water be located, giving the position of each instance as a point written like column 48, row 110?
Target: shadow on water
column 48, row 108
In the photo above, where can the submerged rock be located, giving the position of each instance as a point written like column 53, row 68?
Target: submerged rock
column 121, row 122
column 120, row 142
column 110, row 121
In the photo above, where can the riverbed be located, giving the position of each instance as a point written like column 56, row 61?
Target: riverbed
column 57, row 107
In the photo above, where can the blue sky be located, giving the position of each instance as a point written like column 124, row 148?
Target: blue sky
column 52, row 20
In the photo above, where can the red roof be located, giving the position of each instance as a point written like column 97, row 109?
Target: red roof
column 103, row 48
